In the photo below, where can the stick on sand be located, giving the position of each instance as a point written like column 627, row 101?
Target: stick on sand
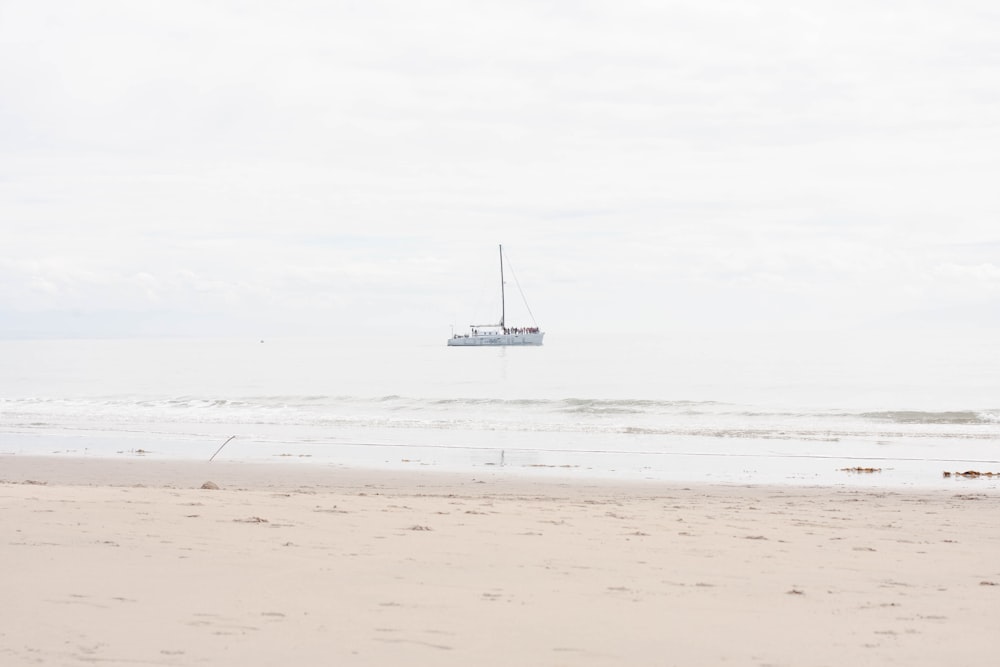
column 220, row 447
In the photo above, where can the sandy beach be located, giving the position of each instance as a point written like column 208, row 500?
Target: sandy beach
column 132, row 562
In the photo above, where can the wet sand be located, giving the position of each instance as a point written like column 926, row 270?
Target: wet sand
column 131, row 562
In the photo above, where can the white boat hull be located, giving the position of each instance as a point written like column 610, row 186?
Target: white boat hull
column 497, row 339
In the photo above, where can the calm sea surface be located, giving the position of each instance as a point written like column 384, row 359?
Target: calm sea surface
column 794, row 409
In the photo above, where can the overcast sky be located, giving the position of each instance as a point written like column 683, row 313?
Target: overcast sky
column 252, row 168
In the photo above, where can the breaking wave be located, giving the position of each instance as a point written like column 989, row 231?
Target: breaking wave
column 948, row 417
column 621, row 418
column 580, row 406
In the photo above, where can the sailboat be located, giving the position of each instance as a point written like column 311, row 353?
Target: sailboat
column 501, row 333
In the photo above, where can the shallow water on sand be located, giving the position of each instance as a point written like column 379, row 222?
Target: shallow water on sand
column 751, row 408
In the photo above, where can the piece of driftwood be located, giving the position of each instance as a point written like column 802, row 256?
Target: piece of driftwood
column 220, row 448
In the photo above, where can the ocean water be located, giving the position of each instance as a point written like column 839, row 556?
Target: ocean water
column 728, row 408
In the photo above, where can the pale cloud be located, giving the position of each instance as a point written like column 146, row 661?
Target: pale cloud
column 978, row 277
column 327, row 162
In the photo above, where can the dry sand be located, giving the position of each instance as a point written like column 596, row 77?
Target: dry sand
column 130, row 562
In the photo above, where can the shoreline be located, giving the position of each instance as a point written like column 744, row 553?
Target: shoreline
column 132, row 561
column 256, row 474
column 704, row 469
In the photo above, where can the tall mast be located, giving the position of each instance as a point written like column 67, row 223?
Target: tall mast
column 503, row 306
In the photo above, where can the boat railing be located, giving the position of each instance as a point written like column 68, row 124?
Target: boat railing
column 510, row 331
